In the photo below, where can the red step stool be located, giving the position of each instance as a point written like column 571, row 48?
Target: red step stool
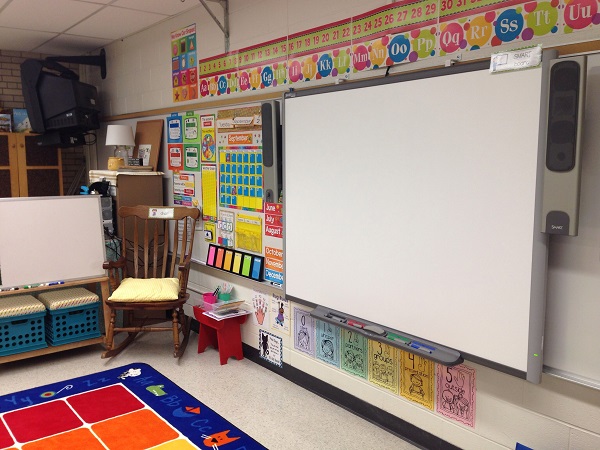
column 223, row 335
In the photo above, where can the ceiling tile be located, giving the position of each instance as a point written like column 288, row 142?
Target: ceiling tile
column 67, row 45
column 168, row 7
column 22, row 40
column 115, row 23
column 44, row 15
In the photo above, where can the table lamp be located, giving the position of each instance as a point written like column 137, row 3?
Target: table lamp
column 121, row 136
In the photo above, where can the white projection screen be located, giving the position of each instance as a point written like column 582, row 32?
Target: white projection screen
column 414, row 204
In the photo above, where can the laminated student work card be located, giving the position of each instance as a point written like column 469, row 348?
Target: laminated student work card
column 304, row 332
column 383, row 366
column 354, row 353
column 280, row 314
column 456, row 393
column 328, row 343
column 248, row 233
column 417, row 379
column 260, row 305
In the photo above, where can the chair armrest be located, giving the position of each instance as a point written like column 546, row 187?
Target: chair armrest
column 118, row 264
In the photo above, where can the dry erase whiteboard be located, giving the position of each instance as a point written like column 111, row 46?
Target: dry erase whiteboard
column 47, row 239
column 412, row 204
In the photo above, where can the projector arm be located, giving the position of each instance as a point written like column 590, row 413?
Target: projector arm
column 98, row 60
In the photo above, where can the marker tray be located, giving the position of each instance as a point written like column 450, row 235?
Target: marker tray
column 72, row 324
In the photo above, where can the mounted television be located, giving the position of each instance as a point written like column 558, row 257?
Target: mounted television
column 60, row 107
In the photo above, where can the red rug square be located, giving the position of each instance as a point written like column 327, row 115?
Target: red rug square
column 5, row 439
column 101, row 404
column 43, row 420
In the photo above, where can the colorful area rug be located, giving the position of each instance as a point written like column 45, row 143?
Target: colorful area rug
column 127, row 408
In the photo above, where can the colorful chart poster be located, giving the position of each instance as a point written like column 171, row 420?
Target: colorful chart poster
column 192, row 157
column 248, row 233
column 184, row 70
column 191, row 128
column 404, row 31
column 174, row 127
column 274, row 220
column 354, row 353
column 260, row 304
column 184, row 189
column 210, row 231
column 208, row 142
column 239, row 143
column 241, row 172
column 274, row 265
column 383, row 366
column 320, row 52
column 270, row 347
column 417, row 379
column 328, row 343
column 456, row 393
column 209, row 192
column 175, row 157
column 226, row 226
column 304, row 332
column 280, row 314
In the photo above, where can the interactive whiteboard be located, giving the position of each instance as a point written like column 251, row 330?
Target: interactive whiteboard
column 413, row 201
column 49, row 239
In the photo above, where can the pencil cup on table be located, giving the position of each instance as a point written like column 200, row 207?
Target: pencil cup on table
column 224, row 296
column 209, row 297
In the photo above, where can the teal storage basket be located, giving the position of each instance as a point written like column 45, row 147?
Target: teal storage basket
column 22, row 333
column 72, row 324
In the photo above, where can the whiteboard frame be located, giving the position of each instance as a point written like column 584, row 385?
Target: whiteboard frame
column 50, row 239
column 530, row 317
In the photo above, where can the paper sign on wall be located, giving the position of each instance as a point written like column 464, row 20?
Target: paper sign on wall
column 270, row 347
column 209, row 192
column 175, row 157
column 280, row 314
column 248, row 233
column 260, row 304
column 304, row 332
column 383, row 366
column 456, row 393
column 207, row 127
column 328, row 343
column 354, row 353
column 417, row 379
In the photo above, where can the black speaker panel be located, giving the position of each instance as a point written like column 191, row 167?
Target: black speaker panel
column 563, row 116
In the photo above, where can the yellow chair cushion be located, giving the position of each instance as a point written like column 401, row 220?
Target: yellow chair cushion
column 146, row 290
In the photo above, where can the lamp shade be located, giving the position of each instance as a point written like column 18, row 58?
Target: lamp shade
column 119, row 135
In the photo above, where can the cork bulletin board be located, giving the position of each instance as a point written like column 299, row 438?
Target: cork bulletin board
column 148, row 135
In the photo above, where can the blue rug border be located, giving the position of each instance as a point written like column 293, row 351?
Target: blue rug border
column 170, row 406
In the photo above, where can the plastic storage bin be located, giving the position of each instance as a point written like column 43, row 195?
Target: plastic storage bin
column 72, row 315
column 21, row 325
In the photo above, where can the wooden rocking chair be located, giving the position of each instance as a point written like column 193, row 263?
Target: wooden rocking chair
column 150, row 275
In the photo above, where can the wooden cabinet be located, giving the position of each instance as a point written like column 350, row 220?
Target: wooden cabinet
column 28, row 170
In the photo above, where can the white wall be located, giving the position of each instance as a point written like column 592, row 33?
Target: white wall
column 555, row 414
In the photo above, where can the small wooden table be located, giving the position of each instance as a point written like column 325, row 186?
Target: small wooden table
column 223, row 335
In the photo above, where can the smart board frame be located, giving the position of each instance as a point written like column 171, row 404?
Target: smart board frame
column 433, row 284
